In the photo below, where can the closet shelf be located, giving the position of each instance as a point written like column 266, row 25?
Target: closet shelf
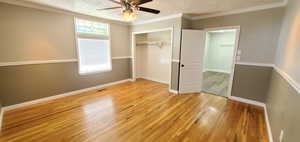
column 151, row 43
column 228, row 44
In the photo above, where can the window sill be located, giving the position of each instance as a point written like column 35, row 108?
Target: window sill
column 94, row 72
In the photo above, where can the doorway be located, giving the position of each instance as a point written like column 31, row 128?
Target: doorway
column 152, row 51
column 207, row 60
column 219, row 60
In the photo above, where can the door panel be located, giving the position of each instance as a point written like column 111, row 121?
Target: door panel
column 191, row 62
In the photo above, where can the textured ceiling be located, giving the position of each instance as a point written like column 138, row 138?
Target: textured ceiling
column 167, row 7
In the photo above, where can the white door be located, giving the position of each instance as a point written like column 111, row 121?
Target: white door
column 191, row 62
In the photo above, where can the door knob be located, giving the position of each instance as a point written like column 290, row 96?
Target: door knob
column 182, row 65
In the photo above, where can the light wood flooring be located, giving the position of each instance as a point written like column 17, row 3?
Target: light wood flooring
column 141, row 111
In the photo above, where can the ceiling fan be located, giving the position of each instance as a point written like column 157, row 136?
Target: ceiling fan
column 130, row 7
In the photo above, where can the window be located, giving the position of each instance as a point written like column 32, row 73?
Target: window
column 93, row 46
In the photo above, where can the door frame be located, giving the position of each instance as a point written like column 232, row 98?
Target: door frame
column 234, row 59
column 133, row 50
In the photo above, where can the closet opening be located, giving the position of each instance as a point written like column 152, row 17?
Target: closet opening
column 152, row 55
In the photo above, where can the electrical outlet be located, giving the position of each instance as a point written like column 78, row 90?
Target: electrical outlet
column 281, row 136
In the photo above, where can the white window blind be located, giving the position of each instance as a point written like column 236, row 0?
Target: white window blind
column 93, row 46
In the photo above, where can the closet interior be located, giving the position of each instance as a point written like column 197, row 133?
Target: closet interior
column 153, row 56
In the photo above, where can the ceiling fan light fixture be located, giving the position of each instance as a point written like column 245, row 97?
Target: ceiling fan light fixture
column 129, row 15
column 130, row 8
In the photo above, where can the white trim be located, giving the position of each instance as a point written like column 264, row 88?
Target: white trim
column 173, row 91
column 122, row 57
column 289, row 79
column 177, row 61
column 77, row 92
column 36, row 62
column 50, row 61
column 267, row 120
column 53, row 8
column 245, row 10
column 157, row 19
column 222, row 28
column 155, row 80
column 255, row 64
column 93, row 36
column 1, row 118
column 236, row 47
column 247, row 101
column 133, row 50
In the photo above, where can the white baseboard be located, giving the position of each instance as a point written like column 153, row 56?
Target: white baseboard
column 173, row 91
column 155, row 80
column 265, row 112
column 1, row 118
column 247, row 101
column 268, row 124
column 7, row 108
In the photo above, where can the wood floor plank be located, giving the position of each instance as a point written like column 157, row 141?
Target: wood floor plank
column 141, row 111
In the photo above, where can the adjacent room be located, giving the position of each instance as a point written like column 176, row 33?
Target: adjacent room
column 149, row 71
column 219, row 57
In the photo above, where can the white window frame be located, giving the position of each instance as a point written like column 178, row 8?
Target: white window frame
column 93, row 36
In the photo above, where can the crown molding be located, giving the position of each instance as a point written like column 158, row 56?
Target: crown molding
column 244, row 10
column 50, row 8
column 117, row 21
column 187, row 17
column 157, row 19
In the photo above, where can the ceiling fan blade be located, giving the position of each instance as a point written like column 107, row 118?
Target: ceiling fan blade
column 145, row 9
column 109, row 8
column 117, row 2
column 139, row 2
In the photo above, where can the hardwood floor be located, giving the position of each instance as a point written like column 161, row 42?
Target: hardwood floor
column 142, row 111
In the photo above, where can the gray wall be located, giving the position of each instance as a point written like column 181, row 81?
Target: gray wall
column 251, row 82
column 29, row 82
column 41, row 33
column 259, row 32
column 283, row 109
column 283, row 99
column 258, row 41
column 289, row 44
column 32, row 34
